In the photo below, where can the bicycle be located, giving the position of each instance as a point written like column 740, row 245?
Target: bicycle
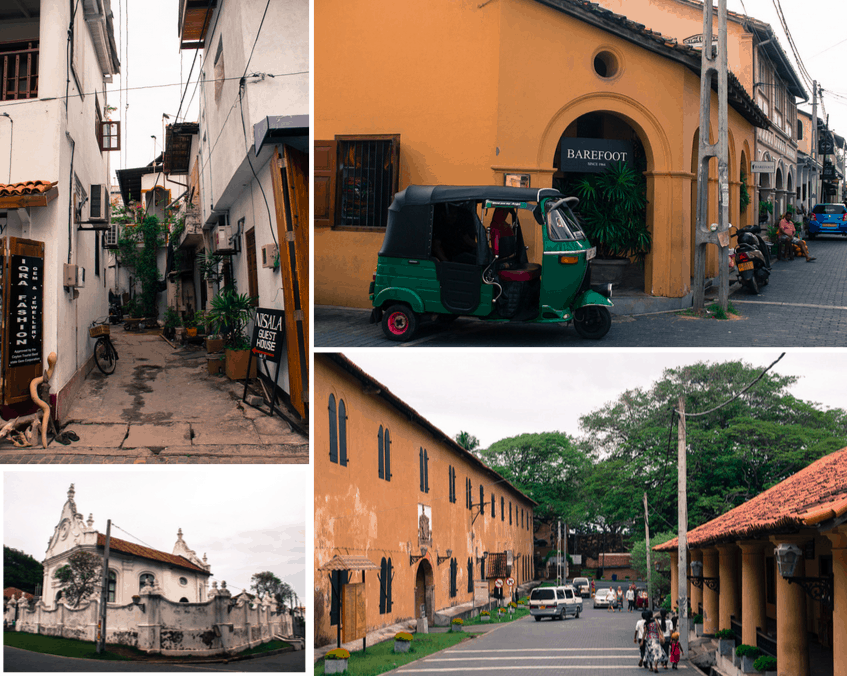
column 105, row 354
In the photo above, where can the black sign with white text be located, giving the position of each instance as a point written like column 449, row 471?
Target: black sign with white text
column 26, row 298
column 593, row 155
column 268, row 334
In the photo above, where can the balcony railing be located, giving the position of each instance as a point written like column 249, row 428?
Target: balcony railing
column 19, row 66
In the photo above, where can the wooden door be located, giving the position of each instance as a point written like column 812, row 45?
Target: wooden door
column 353, row 624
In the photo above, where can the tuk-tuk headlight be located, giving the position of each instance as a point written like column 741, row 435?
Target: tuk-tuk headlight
column 591, row 253
column 569, row 260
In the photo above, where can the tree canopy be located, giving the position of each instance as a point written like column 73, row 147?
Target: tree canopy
column 266, row 582
column 80, row 577
column 21, row 570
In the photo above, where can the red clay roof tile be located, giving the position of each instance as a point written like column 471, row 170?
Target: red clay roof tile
column 807, row 498
column 26, row 188
column 15, row 593
column 145, row 552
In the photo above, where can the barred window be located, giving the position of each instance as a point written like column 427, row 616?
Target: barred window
column 367, row 179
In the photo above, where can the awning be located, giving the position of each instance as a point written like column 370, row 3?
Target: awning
column 27, row 194
column 339, row 562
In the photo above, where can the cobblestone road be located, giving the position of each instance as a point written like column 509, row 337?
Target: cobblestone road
column 804, row 305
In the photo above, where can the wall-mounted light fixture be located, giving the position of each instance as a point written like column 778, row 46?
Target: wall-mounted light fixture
column 698, row 580
column 414, row 559
column 819, row 588
column 441, row 559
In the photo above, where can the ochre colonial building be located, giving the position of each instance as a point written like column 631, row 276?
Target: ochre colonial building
column 474, row 93
column 430, row 524
column 808, row 510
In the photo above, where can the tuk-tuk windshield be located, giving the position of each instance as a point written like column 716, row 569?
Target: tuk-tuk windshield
column 562, row 225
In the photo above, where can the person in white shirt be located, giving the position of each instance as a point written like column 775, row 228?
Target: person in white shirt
column 630, row 597
column 639, row 634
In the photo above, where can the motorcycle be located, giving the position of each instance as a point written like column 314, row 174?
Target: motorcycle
column 752, row 258
column 116, row 313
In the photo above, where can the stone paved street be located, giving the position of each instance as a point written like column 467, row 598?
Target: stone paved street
column 805, row 304
column 161, row 406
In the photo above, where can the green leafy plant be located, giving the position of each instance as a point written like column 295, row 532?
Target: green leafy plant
column 172, row 318
column 666, row 603
column 724, row 634
column 744, row 193
column 138, row 248
column 698, row 619
column 765, row 663
column 209, row 266
column 403, row 636
column 613, row 211
column 230, row 314
column 745, row 650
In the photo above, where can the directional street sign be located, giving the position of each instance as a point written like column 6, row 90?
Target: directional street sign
column 510, row 581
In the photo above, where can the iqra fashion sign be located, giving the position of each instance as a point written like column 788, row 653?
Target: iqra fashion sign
column 26, row 296
column 592, row 155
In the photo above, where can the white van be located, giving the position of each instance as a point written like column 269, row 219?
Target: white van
column 554, row 602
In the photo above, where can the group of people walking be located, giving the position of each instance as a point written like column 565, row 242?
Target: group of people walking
column 658, row 640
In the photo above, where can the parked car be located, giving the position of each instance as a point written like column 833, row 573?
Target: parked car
column 605, row 597
column 554, row 602
column 641, row 599
column 828, row 219
column 583, row 586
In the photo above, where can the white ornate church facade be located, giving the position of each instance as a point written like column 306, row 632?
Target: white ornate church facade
column 180, row 576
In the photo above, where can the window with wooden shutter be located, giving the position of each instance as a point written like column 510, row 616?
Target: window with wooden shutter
column 453, row 578
column 493, row 505
column 19, row 70
column 481, row 500
column 342, row 433
column 333, row 430
column 325, row 175
column 502, row 508
column 387, row 445
column 470, row 574
column 109, row 135
column 383, row 581
column 380, row 456
column 252, row 267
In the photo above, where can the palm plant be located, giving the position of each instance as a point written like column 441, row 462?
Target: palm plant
column 230, row 314
column 612, row 208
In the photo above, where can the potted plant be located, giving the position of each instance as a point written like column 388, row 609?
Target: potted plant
column 230, row 314
column 457, row 624
column 484, row 616
column 335, row 661
column 512, row 606
column 698, row 625
column 726, row 641
column 766, row 665
column 402, row 641
column 190, row 324
column 748, row 655
column 172, row 322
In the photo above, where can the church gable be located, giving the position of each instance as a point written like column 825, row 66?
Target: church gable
column 72, row 530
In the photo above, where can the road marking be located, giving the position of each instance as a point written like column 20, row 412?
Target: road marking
column 532, row 657
column 504, row 668
column 804, row 305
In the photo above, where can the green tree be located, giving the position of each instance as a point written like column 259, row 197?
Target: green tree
column 549, row 467
column 80, row 577
column 659, row 584
column 734, row 453
column 138, row 249
column 266, row 583
column 467, row 441
column 21, row 570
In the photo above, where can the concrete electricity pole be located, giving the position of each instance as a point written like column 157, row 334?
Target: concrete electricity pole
column 647, row 540
column 104, row 592
column 682, row 527
column 814, row 196
column 712, row 65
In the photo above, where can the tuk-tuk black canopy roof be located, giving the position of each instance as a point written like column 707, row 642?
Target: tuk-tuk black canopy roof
column 408, row 233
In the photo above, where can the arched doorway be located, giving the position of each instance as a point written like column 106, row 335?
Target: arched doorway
column 594, row 144
column 424, row 591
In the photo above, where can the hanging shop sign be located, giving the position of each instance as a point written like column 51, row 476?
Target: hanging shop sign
column 826, row 144
column 593, row 155
column 268, row 334
column 828, row 173
column 26, row 308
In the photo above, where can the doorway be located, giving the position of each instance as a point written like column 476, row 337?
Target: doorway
column 424, row 592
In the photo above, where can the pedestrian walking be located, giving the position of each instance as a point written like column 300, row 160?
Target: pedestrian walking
column 630, row 598
column 653, row 637
column 639, row 634
column 666, row 624
column 620, row 599
column 676, row 650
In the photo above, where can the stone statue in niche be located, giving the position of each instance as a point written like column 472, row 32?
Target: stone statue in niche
column 424, row 526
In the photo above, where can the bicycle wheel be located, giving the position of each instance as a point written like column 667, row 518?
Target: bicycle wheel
column 105, row 356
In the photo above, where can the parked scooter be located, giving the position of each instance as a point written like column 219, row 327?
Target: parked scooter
column 752, row 258
column 116, row 313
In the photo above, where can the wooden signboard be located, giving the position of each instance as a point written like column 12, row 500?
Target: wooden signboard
column 353, row 622
column 22, row 316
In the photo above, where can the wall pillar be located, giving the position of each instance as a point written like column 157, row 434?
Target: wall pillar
column 710, row 597
column 730, row 601
column 667, row 270
column 753, row 610
column 792, row 644
column 838, row 537
column 695, row 594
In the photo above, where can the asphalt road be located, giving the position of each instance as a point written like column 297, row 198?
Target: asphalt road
column 24, row 660
column 599, row 642
column 804, row 304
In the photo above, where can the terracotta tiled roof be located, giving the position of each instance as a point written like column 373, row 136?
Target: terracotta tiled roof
column 806, row 499
column 345, row 562
column 15, row 593
column 145, row 552
column 610, row 561
column 26, row 188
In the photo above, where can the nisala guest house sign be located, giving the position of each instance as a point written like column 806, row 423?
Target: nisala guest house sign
column 25, row 310
column 268, row 334
column 592, row 155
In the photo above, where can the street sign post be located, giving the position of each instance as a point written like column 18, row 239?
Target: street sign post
column 510, row 581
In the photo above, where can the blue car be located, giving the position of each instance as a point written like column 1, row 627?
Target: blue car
column 828, row 219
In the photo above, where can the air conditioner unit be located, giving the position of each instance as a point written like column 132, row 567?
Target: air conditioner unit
column 99, row 207
column 223, row 240
column 269, row 254
column 74, row 276
column 110, row 236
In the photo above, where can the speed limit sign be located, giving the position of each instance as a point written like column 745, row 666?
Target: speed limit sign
column 510, row 581
column 498, row 583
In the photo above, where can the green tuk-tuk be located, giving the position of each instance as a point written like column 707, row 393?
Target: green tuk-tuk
column 454, row 251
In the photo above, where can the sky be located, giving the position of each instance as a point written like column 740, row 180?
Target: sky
column 245, row 521
column 495, row 395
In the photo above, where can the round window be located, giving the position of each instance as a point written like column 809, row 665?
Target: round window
column 606, row 64
column 183, row 581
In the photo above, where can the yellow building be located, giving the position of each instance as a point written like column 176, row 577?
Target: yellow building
column 407, row 522
column 474, row 93
column 740, row 551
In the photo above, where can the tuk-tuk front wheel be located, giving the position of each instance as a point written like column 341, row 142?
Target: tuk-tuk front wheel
column 592, row 321
column 399, row 323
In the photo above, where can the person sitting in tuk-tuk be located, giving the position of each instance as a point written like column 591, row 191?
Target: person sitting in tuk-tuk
column 453, row 234
column 502, row 235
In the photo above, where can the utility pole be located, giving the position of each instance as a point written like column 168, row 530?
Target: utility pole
column 559, row 553
column 712, row 65
column 647, row 540
column 814, row 196
column 104, row 592
column 682, row 527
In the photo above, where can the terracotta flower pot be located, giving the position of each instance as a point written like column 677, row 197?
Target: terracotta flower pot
column 236, row 364
column 214, row 344
column 335, row 666
column 216, row 364
column 191, row 331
